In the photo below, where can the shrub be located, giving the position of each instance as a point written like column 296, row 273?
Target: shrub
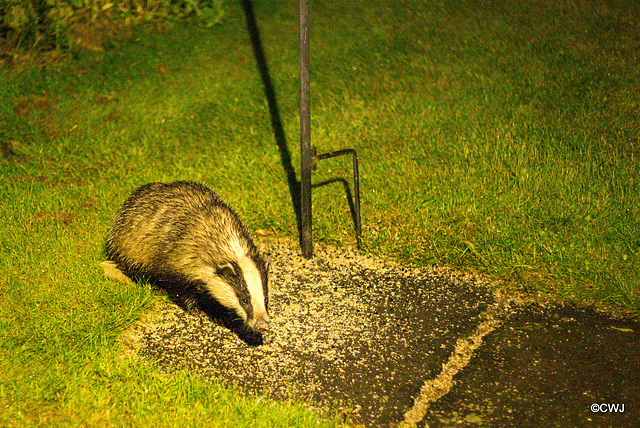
column 46, row 24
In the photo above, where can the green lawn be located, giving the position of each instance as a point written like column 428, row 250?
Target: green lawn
column 500, row 137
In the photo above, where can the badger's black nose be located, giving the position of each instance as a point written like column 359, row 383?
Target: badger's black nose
column 262, row 324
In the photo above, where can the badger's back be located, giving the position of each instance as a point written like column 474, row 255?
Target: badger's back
column 161, row 227
column 184, row 236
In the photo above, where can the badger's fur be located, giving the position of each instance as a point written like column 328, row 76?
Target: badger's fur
column 183, row 237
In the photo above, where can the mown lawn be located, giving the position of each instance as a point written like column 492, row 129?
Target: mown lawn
column 498, row 136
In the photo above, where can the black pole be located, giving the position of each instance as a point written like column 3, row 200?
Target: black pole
column 305, row 131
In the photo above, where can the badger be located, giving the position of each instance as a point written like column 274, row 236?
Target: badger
column 185, row 238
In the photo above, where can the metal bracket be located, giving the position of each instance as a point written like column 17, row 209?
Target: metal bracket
column 356, row 181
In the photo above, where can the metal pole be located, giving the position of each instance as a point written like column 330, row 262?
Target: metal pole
column 305, row 131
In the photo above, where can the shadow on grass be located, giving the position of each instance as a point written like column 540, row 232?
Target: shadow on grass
column 347, row 191
column 276, row 121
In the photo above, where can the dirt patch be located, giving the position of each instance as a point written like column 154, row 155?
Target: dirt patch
column 12, row 150
column 42, row 113
column 348, row 331
column 64, row 217
column 25, row 106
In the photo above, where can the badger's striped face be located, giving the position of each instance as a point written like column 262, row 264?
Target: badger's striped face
column 241, row 286
column 256, row 302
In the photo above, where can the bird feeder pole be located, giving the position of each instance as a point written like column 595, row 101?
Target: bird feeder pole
column 305, row 131
column 308, row 155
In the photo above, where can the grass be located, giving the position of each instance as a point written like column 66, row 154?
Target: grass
column 500, row 137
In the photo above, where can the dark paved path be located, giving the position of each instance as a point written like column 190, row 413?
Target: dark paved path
column 549, row 367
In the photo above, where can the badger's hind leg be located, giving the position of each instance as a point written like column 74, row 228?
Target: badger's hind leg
column 111, row 271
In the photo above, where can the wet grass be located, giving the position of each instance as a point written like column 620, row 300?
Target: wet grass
column 499, row 137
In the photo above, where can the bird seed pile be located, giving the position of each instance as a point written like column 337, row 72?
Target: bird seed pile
column 347, row 332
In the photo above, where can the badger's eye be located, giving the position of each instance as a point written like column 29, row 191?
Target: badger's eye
column 245, row 301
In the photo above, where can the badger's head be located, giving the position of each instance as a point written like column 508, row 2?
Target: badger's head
column 241, row 285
